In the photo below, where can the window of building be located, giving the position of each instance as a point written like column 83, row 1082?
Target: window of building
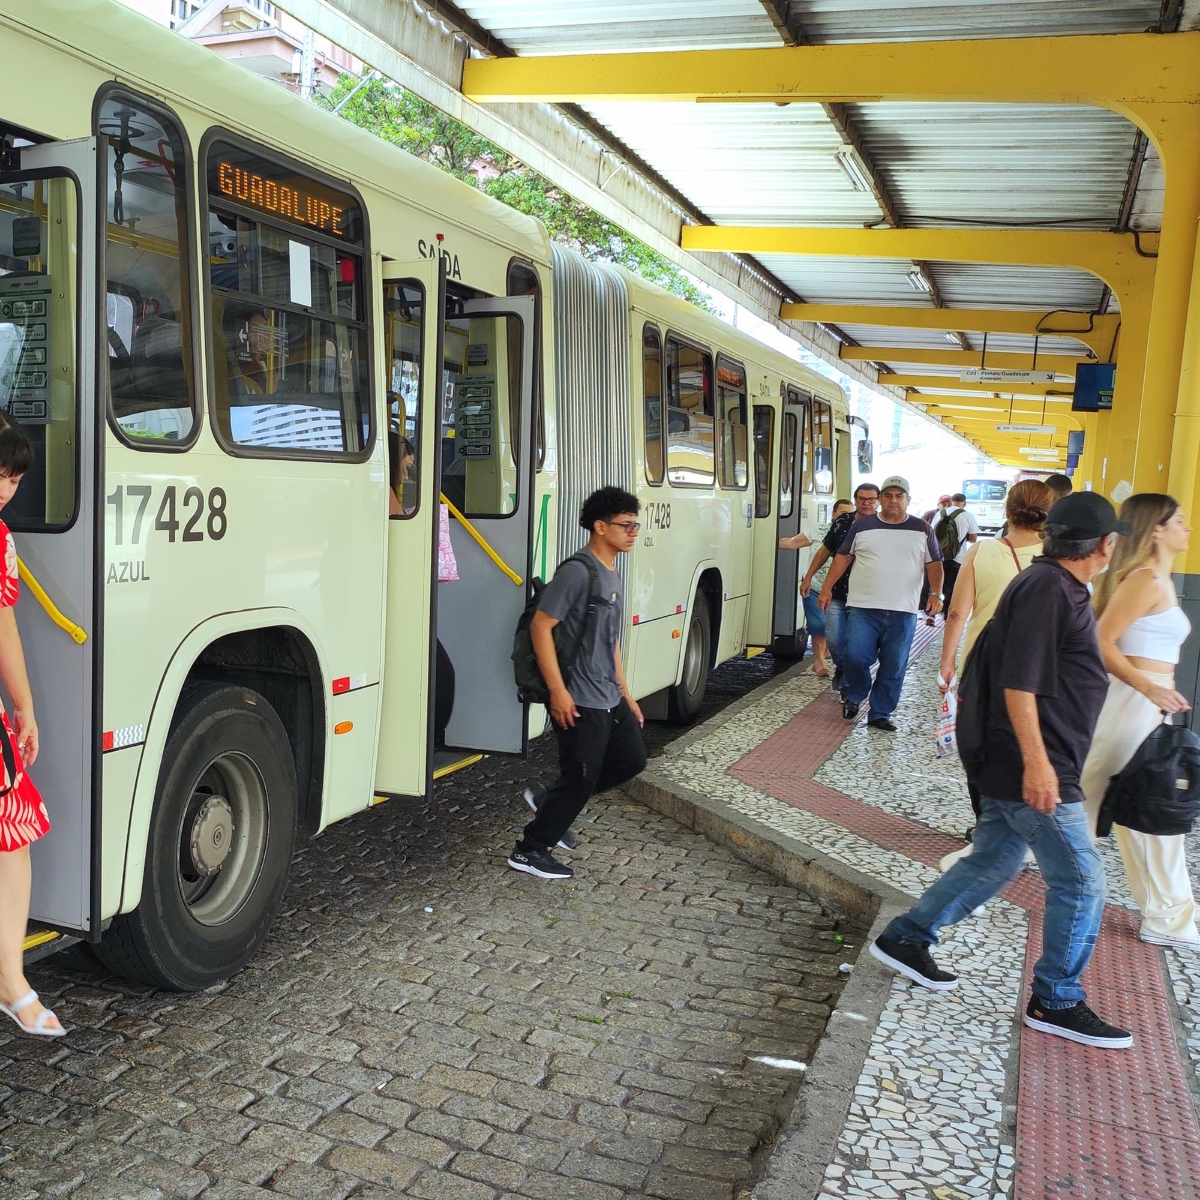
column 822, row 454
column 764, row 438
column 404, row 308
column 787, row 462
column 691, row 457
column 732, row 419
column 287, row 291
column 652, row 403
column 149, row 361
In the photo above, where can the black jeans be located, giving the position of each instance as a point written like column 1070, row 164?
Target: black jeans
column 602, row 749
column 950, row 570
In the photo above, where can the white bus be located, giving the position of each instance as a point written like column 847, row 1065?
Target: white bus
column 985, row 500
column 215, row 300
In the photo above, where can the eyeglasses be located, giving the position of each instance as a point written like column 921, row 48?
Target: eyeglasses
column 630, row 527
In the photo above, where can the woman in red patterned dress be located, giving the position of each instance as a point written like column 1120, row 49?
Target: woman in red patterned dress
column 22, row 814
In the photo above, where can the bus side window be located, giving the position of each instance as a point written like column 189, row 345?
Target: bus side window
column 787, row 464
column 823, row 447
column 404, row 305
column 653, row 406
column 691, row 454
column 764, row 438
column 147, row 198
column 731, row 410
column 523, row 280
column 286, row 284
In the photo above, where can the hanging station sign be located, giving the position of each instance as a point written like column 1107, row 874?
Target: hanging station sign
column 988, row 375
column 1026, row 428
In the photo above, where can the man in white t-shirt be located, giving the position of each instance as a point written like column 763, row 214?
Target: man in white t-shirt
column 955, row 529
column 892, row 554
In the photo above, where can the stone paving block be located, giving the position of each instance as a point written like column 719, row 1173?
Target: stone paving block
column 287, row 1143
column 622, row 1173
column 441, row 1185
column 284, row 1110
column 454, row 1130
column 218, row 1125
column 177, row 1145
column 170, row 1178
column 419, row 1146
column 115, row 1189
column 389, row 1170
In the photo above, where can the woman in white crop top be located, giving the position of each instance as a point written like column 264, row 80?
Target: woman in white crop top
column 1141, row 629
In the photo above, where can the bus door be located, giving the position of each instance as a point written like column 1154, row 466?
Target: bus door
column 487, row 475
column 49, row 273
column 414, row 299
column 788, row 619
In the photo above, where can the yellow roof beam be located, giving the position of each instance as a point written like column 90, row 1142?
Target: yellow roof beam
column 1117, row 71
column 1060, row 364
column 1095, row 330
column 1112, row 257
column 947, row 383
column 1019, row 416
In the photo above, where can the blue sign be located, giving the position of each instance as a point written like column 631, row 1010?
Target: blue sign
column 1093, row 387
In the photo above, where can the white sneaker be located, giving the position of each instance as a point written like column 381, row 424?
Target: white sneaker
column 1162, row 939
column 953, row 857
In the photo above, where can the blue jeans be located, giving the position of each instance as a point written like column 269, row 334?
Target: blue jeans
column 876, row 633
column 814, row 618
column 1074, row 875
column 835, row 630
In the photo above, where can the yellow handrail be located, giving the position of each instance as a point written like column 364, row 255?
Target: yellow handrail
column 481, row 542
column 77, row 634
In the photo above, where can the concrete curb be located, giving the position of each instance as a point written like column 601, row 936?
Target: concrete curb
column 807, row 1142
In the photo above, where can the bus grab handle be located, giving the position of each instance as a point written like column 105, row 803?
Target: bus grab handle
column 77, row 634
column 479, row 538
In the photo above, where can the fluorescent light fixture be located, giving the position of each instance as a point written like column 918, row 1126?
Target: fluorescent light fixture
column 853, row 172
column 952, row 338
column 918, row 282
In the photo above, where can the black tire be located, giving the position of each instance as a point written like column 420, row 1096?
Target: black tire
column 219, row 847
column 686, row 698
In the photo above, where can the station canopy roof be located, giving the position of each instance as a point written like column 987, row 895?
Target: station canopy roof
column 878, row 165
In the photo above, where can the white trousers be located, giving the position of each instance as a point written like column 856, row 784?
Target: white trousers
column 1155, row 866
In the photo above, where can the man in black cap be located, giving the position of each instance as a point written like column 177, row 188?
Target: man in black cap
column 1047, row 684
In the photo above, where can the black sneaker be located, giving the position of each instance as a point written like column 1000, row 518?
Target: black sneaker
column 1077, row 1024
column 533, row 797
column 849, row 710
column 540, row 863
column 881, row 723
column 913, row 962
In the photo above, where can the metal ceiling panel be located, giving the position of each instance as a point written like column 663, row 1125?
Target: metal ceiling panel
column 532, row 27
column 983, row 285
column 935, row 20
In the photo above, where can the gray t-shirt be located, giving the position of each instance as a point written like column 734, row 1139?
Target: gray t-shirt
column 593, row 682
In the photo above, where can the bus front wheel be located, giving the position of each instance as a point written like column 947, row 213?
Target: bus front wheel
column 219, row 848
column 685, row 699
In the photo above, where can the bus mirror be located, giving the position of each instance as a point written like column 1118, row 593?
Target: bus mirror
column 866, row 456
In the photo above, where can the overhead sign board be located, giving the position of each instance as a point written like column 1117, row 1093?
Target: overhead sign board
column 988, row 375
column 1038, row 452
column 1026, row 428
column 1094, row 383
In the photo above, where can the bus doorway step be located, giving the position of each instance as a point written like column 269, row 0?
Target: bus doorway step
column 446, row 762
column 41, row 942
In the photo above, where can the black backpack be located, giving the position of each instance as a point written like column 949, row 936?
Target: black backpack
column 974, row 699
column 947, row 533
column 531, row 687
column 1158, row 790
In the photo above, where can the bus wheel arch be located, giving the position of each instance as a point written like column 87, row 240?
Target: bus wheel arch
column 701, row 636
column 220, row 843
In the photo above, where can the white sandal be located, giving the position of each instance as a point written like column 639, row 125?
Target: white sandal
column 38, row 1028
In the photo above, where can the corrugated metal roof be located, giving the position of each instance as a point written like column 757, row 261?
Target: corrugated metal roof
column 880, row 21
column 532, row 27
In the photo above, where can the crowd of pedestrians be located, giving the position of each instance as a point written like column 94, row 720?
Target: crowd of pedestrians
column 1061, row 637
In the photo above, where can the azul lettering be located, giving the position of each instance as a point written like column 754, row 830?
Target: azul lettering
column 128, row 572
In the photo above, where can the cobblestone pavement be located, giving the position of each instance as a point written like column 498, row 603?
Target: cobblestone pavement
column 424, row 1022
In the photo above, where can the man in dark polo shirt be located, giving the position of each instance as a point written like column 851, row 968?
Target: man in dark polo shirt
column 1048, row 685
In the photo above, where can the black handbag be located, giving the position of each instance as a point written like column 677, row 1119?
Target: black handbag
column 1158, row 790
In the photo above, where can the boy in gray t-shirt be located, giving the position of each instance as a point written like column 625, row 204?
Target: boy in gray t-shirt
column 597, row 722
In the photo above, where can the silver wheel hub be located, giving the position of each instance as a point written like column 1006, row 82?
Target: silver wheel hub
column 212, row 835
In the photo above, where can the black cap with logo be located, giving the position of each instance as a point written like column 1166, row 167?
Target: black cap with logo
column 1082, row 516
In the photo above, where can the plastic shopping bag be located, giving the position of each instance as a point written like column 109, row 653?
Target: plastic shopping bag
column 945, row 743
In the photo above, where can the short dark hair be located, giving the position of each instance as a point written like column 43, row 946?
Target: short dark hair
column 1061, row 486
column 606, row 503
column 958, row 498
column 1069, row 550
column 16, row 450
column 838, row 503
column 862, row 487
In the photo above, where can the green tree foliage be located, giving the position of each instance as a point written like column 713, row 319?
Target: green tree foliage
column 428, row 133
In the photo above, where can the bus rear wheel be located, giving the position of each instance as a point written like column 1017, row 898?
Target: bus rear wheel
column 220, row 844
column 793, row 647
column 685, row 699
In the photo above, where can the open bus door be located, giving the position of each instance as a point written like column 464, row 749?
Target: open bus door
column 789, row 634
column 49, row 280
column 460, row 392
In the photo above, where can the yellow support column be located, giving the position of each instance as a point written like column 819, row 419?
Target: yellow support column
column 1176, row 132
column 1120, row 429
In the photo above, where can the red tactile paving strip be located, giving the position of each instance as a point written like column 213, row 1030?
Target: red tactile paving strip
column 1091, row 1124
